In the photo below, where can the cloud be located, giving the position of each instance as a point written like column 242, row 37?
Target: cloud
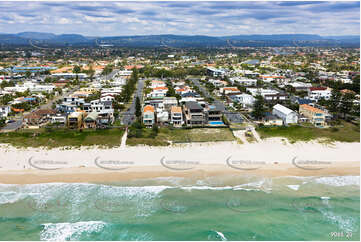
column 191, row 18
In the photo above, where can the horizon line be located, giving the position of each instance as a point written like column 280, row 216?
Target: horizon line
column 355, row 35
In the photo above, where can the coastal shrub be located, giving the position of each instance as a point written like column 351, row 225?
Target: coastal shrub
column 138, row 133
column 334, row 129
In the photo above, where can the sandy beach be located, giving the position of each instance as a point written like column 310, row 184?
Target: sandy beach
column 271, row 157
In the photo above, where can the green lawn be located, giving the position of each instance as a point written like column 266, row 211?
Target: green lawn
column 346, row 132
column 182, row 136
column 62, row 138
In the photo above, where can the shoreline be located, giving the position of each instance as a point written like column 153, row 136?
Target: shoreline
column 269, row 158
column 97, row 175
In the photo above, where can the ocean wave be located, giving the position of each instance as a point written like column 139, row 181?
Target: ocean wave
column 344, row 223
column 10, row 197
column 339, row 181
column 216, row 235
column 221, row 235
column 327, row 180
column 70, row 231
column 264, row 185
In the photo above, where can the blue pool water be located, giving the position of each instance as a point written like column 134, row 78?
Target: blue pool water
column 215, row 122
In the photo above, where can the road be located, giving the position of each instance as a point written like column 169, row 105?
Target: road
column 111, row 75
column 233, row 117
column 19, row 120
column 50, row 103
column 13, row 126
column 216, row 102
column 128, row 117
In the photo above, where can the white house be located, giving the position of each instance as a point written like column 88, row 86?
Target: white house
column 107, row 97
column 158, row 92
column 245, row 99
column 287, row 115
column 218, row 83
column 211, row 71
column 156, row 83
column 317, row 93
column 243, row 81
column 102, row 107
column 4, row 111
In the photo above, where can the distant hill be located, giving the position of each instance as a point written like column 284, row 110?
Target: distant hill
column 179, row 41
column 36, row 35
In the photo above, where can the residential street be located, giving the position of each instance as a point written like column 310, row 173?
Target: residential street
column 128, row 117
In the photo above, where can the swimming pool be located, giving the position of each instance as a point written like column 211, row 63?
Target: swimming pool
column 215, row 122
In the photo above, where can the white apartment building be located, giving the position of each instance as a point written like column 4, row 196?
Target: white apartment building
column 32, row 87
column 287, row 115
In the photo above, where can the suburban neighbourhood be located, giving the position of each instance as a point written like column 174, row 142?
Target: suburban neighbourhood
column 246, row 93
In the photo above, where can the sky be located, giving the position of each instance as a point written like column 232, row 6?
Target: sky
column 210, row 18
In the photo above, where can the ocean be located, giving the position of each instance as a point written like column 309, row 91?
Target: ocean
column 171, row 208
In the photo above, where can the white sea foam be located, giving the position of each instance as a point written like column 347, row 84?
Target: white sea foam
column 10, row 197
column 221, row 235
column 262, row 185
column 344, row 223
column 294, row 187
column 69, row 231
column 206, row 188
column 339, row 181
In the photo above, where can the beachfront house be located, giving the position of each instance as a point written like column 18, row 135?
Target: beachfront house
column 214, row 115
column 287, row 115
column 90, row 121
column 148, row 116
column 194, row 114
column 272, row 120
column 75, row 120
column 59, row 119
column 316, row 116
column 176, row 116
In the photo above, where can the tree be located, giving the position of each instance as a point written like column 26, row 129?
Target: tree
column 334, row 102
column 138, row 111
column 347, row 104
column 91, row 73
column 107, row 70
column 258, row 108
column 76, row 69
column 5, row 99
column 28, row 74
